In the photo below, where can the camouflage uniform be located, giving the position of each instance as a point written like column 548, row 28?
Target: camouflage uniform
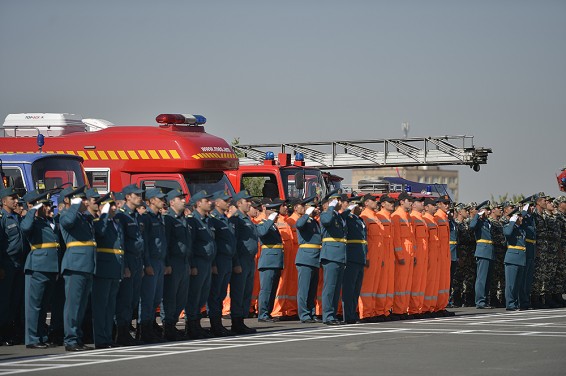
column 497, row 288
column 545, row 256
column 555, row 224
column 467, row 266
column 561, row 271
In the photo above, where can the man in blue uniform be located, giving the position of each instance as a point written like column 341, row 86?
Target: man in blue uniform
column 11, row 264
column 154, row 264
column 530, row 240
column 108, row 272
column 356, row 247
column 225, row 239
column 41, row 268
column 515, row 259
column 270, row 261
column 307, row 260
column 484, row 254
column 333, row 258
column 77, row 267
column 242, row 281
column 204, row 250
column 134, row 249
column 177, row 264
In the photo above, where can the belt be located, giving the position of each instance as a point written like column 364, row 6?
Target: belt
column 110, row 250
column 277, row 246
column 520, row 248
column 340, row 240
column 531, row 241
column 484, row 241
column 89, row 243
column 44, row 245
column 453, row 242
column 356, row 241
column 316, row 246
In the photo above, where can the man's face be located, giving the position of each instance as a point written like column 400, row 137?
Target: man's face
column 389, row 206
column 418, row 206
column 406, row 204
column 431, row 209
column 157, row 202
column 205, row 205
column 10, row 202
column 222, row 204
column 244, row 205
column 371, row 204
column 91, row 203
column 134, row 199
column 299, row 209
column 177, row 204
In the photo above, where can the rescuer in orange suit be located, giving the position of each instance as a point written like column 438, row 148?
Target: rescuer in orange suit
column 386, row 286
column 286, row 298
column 433, row 272
column 403, row 243
column 444, row 258
column 374, row 260
column 421, row 258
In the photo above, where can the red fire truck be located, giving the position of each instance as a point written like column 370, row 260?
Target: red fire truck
column 177, row 153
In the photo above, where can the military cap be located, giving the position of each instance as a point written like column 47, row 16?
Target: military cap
column 334, row 194
column 35, row 196
column 154, row 192
column 444, row 199
column 506, row 204
column 174, row 193
column 368, row 196
column 344, row 197
column 264, row 200
column 405, row 196
column 291, row 202
column 355, row 200
column 243, row 194
column 276, row 203
column 430, row 201
column 119, row 196
column 199, row 196
column 308, row 200
column 472, row 204
column 221, row 195
column 460, row 206
column 104, row 199
column 22, row 202
column 78, row 192
column 386, row 198
column 66, row 192
column 561, row 199
column 132, row 189
column 256, row 204
column 498, row 205
column 486, row 205
column 92, row 193
column 143, row 205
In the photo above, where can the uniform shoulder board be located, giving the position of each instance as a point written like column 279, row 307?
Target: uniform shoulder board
column 190, row 216
column 122, row 210
column 96, row 219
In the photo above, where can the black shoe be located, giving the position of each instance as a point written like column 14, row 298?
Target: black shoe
column 74, row 348
column 332, row 322
column 484, row 307
column 269, row 319
column 367, row 320
column 87, row 348
column 393, row 317
column 317, row 319
column 37, row 346
column 512, row 309
column 350, row 322
column 103, row 346
column 308, row 321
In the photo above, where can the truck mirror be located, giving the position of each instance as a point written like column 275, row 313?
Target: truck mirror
column 300, row 180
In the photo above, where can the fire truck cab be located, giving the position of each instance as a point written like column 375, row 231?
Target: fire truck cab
column 279, row 178
column 42, row 171
column 176, row 154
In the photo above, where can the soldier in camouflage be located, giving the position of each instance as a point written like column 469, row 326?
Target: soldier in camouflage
column 560, row 202
column 554, row 284
column 497, row 287
column 543, row 257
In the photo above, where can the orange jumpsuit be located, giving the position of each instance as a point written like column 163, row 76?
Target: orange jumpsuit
column 386, row 287
column 370, row 282
column 286, row 297
column 433, row 272
column 418, row 283
column 444, row 259
column 403, row 243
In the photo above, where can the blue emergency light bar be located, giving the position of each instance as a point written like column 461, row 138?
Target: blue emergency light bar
column 270, row 156
column 299, row 157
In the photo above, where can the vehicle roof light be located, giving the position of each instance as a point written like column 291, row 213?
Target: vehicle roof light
column 270, row 156
column 180, row 119
column 300, row 157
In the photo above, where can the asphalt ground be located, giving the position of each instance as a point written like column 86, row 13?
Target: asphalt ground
column 474, row 342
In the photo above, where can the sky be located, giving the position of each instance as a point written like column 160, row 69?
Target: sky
column 295, row 71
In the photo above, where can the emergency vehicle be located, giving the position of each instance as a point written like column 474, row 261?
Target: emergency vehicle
column 561, row 179
column 303, row 178
column 175, row 154
column 42, row 171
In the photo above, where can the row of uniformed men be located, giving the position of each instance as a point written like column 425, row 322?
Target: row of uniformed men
column 510, row 275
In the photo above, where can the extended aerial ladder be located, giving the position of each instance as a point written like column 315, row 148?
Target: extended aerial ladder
column 427, row 151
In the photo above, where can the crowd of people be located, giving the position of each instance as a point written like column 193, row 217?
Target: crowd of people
column 104, row 262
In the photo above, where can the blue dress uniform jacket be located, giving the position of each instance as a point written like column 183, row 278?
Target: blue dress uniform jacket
column 78, row 234
column 134, row 244
column 356, row 243
column 333, row 236
column 453, row 240
column 484, row 243
column 515, row 262
column 44, row 255
column 11, row 240
column 310, row 241
column 223, row 233
column 241, row 285
column 154, row 237
column 203, row 240
column 41, row 268
column 516, row 244
column 271, row 246
column 179, row 253
column 356, row 246
column 109, row 248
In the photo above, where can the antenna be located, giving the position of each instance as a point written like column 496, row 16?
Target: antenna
column 405, row 128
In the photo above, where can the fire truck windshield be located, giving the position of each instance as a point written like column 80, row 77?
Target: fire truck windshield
column 50, row 173
column 209, row 181
column 302, row 182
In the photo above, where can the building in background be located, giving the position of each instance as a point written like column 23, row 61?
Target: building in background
column 425, row 175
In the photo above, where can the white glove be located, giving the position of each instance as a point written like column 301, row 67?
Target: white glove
column 526, row 207
column 76, row 200
column 333, row 203
column 351, row 207
column 309, row 210
column 105, row 208
column 36, row 207
column 514, row 218
column 481, row 213
column 272, row 216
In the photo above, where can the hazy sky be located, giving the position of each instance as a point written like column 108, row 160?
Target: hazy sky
column 272, row 71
